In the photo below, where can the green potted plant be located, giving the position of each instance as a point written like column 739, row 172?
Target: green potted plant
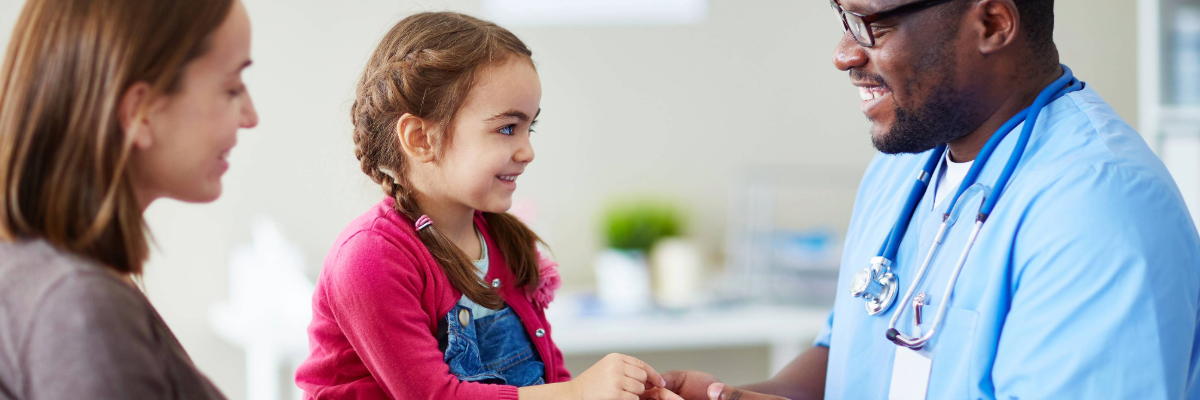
column 631, row 229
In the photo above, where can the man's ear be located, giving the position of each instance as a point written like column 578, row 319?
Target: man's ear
column 998, row 21
column 413, row 134
column 131, row 115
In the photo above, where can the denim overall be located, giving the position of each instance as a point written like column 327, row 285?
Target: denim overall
column 494, row 349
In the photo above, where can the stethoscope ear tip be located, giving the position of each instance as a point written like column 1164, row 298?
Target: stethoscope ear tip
column 894, row 336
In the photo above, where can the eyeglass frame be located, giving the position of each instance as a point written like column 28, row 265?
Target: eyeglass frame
column 868, row 19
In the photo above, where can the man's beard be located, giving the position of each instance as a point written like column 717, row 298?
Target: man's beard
column 940, row 120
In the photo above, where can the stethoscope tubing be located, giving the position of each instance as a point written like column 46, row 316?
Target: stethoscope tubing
column 899, row 338
column 891, row 246
column 910, row 205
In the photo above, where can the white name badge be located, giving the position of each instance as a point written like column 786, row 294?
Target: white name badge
column 910, row 375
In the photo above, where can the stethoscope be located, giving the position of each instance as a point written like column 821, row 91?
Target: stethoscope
column 878, row 285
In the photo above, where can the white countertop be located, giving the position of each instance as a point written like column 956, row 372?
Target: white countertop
column 786, row 330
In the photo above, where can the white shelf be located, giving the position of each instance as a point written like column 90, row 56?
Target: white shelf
column 785, row 330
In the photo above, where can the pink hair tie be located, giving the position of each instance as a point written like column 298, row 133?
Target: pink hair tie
column 423, row 222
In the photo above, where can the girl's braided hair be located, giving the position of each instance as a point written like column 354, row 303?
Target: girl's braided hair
column 425, row 66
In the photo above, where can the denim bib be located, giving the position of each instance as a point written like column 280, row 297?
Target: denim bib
column 494, row 349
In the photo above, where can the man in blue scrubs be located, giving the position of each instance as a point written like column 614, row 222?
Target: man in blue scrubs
column 1084, row 283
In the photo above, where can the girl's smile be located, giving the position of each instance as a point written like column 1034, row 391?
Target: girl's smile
column 509, row 179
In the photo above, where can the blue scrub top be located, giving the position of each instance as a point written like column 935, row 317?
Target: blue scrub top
column 1083, row 283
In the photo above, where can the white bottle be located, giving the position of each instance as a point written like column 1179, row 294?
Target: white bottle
column 678, row 273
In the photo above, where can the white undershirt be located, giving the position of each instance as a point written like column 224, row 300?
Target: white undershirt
column 482, row 264
column 949, row 178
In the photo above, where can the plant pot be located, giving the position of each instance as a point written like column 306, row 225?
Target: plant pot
column 623, row 281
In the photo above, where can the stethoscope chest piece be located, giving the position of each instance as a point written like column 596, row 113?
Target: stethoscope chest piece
column 875, row 284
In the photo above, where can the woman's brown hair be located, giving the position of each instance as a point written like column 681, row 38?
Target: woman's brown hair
column 426, row 66
column 64, row 158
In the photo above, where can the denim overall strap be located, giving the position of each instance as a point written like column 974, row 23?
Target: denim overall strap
column 462, row 349
column 492, row 349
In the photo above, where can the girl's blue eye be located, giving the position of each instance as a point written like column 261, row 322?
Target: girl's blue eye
column 508, row 129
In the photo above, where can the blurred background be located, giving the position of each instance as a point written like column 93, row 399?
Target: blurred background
column 689, row 150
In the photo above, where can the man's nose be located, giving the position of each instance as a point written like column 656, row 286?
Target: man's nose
column 848, row 53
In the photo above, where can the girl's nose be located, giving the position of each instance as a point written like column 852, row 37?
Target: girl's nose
column 524, row 154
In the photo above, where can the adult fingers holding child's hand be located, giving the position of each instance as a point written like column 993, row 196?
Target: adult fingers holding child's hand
column 642, row 372
column 616, row 377
column 660, row 394
column 718, row 391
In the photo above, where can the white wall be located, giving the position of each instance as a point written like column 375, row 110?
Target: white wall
column 669, row 110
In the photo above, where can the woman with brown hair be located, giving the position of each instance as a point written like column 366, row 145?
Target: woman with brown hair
column 106, row 106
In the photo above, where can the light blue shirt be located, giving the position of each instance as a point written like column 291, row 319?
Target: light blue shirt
column 481, row 265
column 1083, row 283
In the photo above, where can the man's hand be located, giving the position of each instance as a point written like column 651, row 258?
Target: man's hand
column 718, row 391
column 696, row 385
column 802, row 379
column 691, row 385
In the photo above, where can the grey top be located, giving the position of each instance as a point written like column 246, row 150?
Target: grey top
column 70, row 329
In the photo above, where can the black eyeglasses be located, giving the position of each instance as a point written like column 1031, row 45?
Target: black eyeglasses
column 859, row 25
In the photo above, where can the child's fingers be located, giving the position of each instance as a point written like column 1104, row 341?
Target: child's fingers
column 652, row 377
column 634, row 386
column 637, row 373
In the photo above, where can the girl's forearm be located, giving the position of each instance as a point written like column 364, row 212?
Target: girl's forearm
column 551, row 391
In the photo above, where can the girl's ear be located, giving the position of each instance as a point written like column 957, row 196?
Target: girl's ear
column 130, row 113
column 413, row 134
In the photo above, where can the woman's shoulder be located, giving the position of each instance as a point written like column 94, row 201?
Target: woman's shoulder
column 44, row 289
column 33, row 271
column 67, row 315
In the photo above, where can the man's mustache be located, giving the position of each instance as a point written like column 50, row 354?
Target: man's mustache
column 860, row 75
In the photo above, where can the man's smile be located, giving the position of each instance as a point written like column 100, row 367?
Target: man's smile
column 872, row 96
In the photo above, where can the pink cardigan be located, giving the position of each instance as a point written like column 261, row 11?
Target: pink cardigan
column 376, row 310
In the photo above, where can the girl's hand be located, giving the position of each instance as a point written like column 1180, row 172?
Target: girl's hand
column 619, row 377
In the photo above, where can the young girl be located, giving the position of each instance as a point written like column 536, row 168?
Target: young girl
column 435, row 292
